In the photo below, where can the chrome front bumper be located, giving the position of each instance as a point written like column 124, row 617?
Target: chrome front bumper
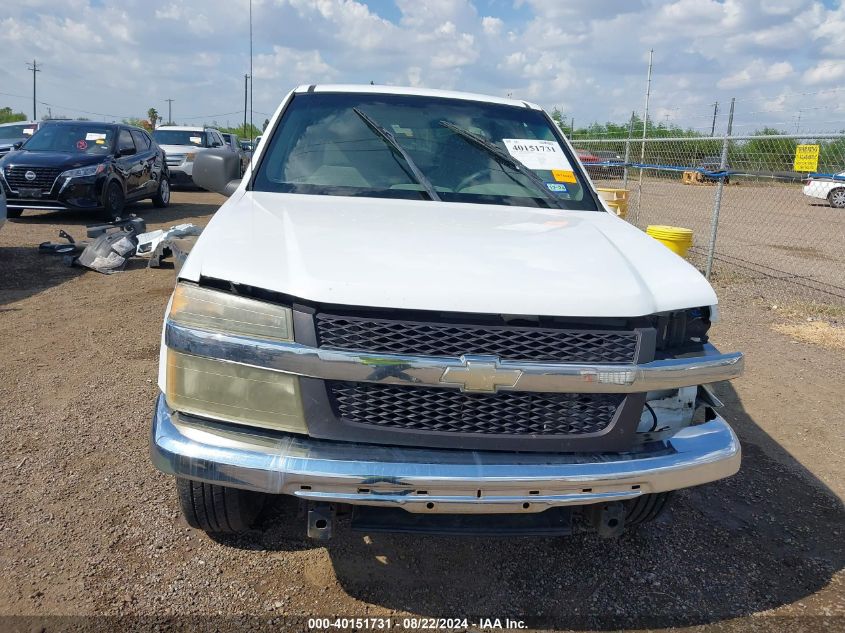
column 434, row 480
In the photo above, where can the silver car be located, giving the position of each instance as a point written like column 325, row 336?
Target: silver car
column 181, row 145
column 18, row 132
column 234, row 141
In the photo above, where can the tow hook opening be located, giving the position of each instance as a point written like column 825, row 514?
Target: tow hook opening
column 321, row 521
column 609, row 519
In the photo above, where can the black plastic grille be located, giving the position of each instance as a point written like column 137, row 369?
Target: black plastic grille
column 444, row 339
column 44, row 177
column 447, row 411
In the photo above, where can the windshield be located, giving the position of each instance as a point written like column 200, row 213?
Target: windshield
column 324, row 147
column 77, row 138
column 16, row 132
column 181, row 137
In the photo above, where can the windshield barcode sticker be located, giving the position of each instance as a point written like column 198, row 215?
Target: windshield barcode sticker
column 536, row 154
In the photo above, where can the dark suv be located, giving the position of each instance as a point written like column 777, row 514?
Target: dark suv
column 85, row 166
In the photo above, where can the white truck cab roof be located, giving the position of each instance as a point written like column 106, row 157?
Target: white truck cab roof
column 407, row 90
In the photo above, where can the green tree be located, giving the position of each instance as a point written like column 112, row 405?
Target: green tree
column 7, row 115
column 152, row 115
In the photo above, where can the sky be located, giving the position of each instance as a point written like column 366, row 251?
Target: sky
column 783, row 60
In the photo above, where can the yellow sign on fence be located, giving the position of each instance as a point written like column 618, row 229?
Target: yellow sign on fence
column 806, row 158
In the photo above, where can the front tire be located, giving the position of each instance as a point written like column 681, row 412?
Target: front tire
column 162, row 197
column 645, row 508
column 218, row 509
column 115, row 202
column 836, row 198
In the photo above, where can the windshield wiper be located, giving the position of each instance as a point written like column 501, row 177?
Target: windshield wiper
column 505, row 159
column 388, row 138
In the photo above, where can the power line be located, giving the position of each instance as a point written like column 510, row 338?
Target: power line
column 210, row 116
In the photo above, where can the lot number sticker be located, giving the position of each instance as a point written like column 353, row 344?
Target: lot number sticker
column 536, row 154
column 806, row 158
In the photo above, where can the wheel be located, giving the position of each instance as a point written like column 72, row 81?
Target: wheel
column 836, row 198
column 115, row 202
column 218, row 509
column 13, row 213
column 162, row 197
column 645, row 508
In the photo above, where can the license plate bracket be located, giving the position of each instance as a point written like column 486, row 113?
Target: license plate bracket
column 29, row 192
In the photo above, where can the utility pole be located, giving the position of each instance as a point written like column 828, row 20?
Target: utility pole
column 715, row 112
column 35, row 69
column 251, row 80
column 798, row 124
column 246, row 84
column 170, row 111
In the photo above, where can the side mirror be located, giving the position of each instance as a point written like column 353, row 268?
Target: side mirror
column 18, row 145
column 217, row 170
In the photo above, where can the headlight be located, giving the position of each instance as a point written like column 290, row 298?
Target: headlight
column 91, row 170
column 224, row 390
column 206, row 309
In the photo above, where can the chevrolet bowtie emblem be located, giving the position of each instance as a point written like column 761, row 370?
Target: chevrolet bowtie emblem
column 481, row 374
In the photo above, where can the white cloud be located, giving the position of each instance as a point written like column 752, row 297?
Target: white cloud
column 585, row 57
column 826, row 72
column 758, row 71
column 491, row 25
column 293, row 65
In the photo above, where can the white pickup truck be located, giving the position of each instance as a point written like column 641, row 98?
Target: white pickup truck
column 414, row 305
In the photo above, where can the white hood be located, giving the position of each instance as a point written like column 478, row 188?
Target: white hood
column 444, row 256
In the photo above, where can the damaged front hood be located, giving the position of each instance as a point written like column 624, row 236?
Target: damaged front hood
column 444, row 256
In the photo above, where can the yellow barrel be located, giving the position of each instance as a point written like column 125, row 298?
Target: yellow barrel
column 617, row 199
column 677, row 239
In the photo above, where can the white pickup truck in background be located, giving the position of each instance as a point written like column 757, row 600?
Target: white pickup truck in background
column 415, row 305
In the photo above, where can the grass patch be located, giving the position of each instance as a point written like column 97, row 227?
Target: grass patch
column 819, row 333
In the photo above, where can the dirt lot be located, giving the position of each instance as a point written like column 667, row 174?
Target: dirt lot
column 89, row 527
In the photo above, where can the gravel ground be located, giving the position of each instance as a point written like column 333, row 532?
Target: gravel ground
column 771, row 234
column 89, row 527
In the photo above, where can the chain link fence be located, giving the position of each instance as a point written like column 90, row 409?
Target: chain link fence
column 755, row 220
